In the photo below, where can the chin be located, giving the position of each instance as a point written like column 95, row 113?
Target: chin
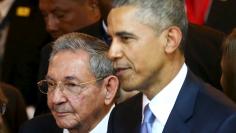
column 127, row 86
column 67, row 124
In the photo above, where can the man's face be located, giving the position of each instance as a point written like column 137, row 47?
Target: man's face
column 64, row 16
column 136, row 49
column 80, row 107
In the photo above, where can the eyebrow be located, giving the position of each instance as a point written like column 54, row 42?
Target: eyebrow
column 70, row 78
column 124, row 33
column 47, row 77
column 57, row 10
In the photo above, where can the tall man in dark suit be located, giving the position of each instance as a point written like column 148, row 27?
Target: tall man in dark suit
column 80, row 87
column 147, row 53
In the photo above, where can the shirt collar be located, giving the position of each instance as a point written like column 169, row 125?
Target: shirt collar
column 162, row 104
column 101, row 126
column 104, row 26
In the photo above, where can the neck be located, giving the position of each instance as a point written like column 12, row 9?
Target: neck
column 163, row 77
column 90, row 123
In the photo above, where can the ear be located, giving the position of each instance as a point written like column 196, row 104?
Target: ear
column 93, row 4
column 111, row 86
column 173, row 37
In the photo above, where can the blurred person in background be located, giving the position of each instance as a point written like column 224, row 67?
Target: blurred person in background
column 3, row 102
column 228, row 65
column 15, row 114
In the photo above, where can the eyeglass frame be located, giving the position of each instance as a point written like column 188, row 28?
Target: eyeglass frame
column 62, row 88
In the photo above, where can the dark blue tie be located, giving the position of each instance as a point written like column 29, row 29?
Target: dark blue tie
column 148, row 120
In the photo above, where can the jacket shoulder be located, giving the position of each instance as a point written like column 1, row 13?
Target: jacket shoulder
column 126, row 116
column 41, row 124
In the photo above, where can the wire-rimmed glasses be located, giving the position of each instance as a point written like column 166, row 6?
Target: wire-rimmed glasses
column 47, row 86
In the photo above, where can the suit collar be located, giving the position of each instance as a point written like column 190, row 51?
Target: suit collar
column 95, row 29
column 184, row 106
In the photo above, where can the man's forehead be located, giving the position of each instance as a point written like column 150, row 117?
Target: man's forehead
column 121, row 15
column 58, row 4
column 79, row 55
column 122, row 19
column 124, row 10
column 69, row 65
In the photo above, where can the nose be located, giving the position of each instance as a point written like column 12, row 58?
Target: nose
column 115, row 50
column 57, row 96
column 51, row 23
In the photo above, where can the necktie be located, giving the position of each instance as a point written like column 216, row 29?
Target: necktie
column 148, row 120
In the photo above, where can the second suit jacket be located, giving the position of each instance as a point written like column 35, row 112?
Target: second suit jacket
column 41, row 124
column 221, row 15
column 199, row 108
column 202, row 52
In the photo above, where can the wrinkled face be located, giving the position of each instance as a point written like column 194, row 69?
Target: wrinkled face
column 64, row 16
column 72, row 110
column 137, row 51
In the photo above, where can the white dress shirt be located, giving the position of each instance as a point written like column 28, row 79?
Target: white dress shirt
column 102, row 125
column 162, row 104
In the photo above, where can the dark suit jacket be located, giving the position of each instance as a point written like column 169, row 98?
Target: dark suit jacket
column 41, row 124
column 22, row 48
column 94, row 30
column 221, row 15
column 199, row 108
column 202, row 52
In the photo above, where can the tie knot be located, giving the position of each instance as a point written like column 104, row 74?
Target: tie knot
column 148, row 115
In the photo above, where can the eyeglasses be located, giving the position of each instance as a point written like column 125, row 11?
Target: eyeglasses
column 47, row 86
column 3, row 107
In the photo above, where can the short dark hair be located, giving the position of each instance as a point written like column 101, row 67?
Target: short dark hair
column 159, row 14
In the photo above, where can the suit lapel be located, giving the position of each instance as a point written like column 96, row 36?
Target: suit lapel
column 94, row 30
column 134, row 115
column 183, row 108
column 126, row 117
